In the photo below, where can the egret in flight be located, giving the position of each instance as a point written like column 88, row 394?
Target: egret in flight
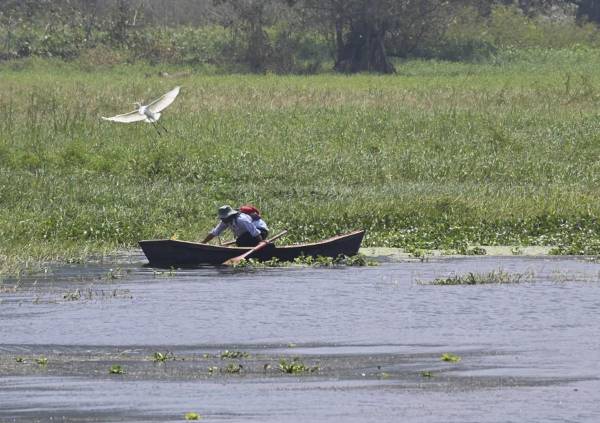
column 148, row 112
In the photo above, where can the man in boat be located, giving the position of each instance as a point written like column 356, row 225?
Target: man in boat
column 257, row 220
column 246, row 234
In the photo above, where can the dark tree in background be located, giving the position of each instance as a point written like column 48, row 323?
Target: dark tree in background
column 588, row 10
column 364, row 28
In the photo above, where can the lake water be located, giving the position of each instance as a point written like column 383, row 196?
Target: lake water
column 529, row 351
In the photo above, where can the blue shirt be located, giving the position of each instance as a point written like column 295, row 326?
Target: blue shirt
column 240, row 224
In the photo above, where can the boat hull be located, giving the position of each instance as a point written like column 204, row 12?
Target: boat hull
column 175, row 253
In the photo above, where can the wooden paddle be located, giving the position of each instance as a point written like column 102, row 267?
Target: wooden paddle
column 259, row 246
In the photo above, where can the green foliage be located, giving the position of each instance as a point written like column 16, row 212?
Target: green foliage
column 192, row 416
column 42, row 361
column 342, row 260
column 233, row 368
column 493, row 277
column 505, row 156
column 252, row 36
column 319, row 261
column 160, row 357
column 465, row 250
column 295, row 366
column 116, row 369
column 233, row 354
column 416, row 252
column 452, row 358
column 472, row 37
column 359, row 260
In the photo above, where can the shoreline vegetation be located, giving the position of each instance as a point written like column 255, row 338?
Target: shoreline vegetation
column 448, row 153
column 439, row 156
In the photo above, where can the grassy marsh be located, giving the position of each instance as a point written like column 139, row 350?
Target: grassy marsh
column 439, row 156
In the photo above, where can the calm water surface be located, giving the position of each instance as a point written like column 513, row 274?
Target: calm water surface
column 544, row 333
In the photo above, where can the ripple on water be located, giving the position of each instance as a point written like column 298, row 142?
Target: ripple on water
column 546, row 328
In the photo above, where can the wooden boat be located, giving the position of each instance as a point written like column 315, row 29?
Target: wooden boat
column 170, row 253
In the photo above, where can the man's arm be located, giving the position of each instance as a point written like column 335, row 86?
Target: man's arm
column 215, row 232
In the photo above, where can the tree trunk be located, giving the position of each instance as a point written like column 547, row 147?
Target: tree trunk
column 363, row 50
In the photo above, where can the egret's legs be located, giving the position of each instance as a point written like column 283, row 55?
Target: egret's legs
column 163, row 127
column 155, row 126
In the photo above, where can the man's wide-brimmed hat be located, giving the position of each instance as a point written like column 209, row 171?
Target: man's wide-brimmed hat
column 227, row 211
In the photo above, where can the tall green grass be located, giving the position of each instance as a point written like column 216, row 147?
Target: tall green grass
column 440, row 155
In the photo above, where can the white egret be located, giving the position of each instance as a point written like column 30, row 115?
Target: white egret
column 147, row 112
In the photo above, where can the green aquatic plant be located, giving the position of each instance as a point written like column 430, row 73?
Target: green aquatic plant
column 246, row 264
column 19, row 359
column 113, row 274
column 341, row 260
column 323, row 261
column 116, row 369
column 516, row 250
column 426, row 373
column 295, row 366
column 192, row 416
column 453, row 358
column 359, row 260
column 162, row 357
column 304, row 260
column 418, row 253
column 72, row 295
column 464, row 249
column 472, row 278
column 42, row 361
column 90, row 293
column 275, row 262
column 249, row 264
column 234, row 354
column 319, row 261
column 233, row 368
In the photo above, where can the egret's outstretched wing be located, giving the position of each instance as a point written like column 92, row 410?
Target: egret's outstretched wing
column 163, row 102
column 134, row 116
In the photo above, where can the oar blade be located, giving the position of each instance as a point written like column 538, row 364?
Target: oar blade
column 235, row 260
